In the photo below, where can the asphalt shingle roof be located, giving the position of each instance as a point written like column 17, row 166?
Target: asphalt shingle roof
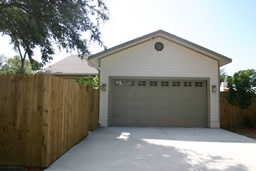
column 71, row 65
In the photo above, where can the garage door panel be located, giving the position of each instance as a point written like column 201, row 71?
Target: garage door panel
column 163, row 112
column 157, row 122
column 183, row 122
column 152, row 94
column 175, row 105
column 192, row 101
column 140, row 122
column 152, row 113
column 141, row 112
column 141, row 94
column 174, row 93
column 196, row 106
column 130, row 121
column 119, row 113
column 119, row 121
column 130, row 93
column 130, row 112
column 158, row 115
column 193, row 123
column 140, row 116
column 164, row 94
column 152, row 103
column 183, row 93
column 175, row 113
column 119, row 93
column 141, row 102
column 163, row 103
column 119, row 102
column 130, row 102
column 158, row 103
column 177, row 123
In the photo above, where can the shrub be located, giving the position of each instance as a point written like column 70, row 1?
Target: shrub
column 248, row 123
column 89, row 82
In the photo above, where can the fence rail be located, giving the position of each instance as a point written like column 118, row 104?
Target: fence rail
column 41, row 117
column 230, row 115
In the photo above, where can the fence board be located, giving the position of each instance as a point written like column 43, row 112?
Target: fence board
column 42, row 117
column 39, row 121
column 230, row 115
column 21, row 119
column 2, row 116
column 94, row 110
column 36, row 122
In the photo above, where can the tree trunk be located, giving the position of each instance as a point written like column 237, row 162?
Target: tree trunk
column 22, row 66
column 22, row 59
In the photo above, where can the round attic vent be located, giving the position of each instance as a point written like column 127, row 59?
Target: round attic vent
column 159, row 46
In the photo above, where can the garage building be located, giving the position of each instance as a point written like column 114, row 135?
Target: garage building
column 159, row 80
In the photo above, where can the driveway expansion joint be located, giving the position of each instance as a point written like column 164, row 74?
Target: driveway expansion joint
column 183, row 153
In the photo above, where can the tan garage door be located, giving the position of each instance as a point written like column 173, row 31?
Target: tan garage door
column 178, row 103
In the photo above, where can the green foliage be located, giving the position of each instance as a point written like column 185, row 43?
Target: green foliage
column 223, row 75
column 240, row 92
column 89, row 82
column 252, row 74
column 248, row 123
column 13, row 66
column 37, row 23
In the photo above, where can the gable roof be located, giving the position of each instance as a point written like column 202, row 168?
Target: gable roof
column 71, row 65
column 223, row 60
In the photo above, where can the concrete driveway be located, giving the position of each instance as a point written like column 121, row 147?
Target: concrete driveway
column 153, row 148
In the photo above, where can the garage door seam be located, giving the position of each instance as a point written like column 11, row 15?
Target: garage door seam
column 196, row 167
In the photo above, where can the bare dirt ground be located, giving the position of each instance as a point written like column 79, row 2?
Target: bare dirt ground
column 248, row 132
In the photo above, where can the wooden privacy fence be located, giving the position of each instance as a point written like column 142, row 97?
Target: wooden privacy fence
column 230, row 115
column 41, row 117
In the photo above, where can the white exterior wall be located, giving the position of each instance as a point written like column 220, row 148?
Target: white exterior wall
column 173, row 61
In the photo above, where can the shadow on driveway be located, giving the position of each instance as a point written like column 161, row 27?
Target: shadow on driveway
column 153, row 148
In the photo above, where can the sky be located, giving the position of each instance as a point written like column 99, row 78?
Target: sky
column 227, row 27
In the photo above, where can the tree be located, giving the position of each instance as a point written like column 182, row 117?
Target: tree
column 44, row 23
column 89, row 82
column 2, row 60
column 223, row 75
column 240, row 92
column 13, row 66
column 252, row 74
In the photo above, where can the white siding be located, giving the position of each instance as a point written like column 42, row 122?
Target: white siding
column 173, row 61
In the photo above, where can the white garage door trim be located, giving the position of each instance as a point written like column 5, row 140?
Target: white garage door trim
column 206, row 88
